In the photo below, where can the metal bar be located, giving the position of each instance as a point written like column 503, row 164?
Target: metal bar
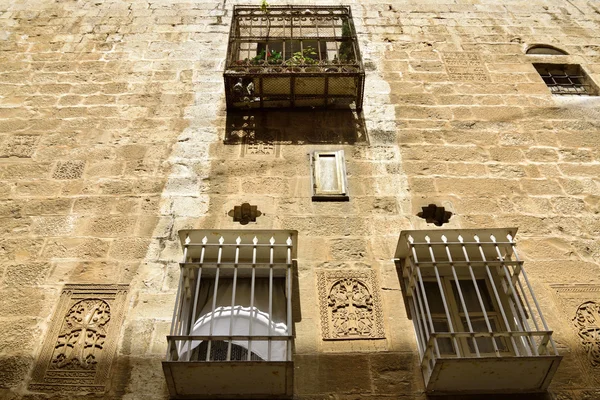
column 289, row 299
column 177, row 296
column 537, row 305
column 214, row 299
column 424, row 294
column 461, row 297
column 511, row 292
column 270, row 297
column 232, row 337
column 233, row 292
column 479, row 298
column 443, row 296
column 421, row 289
column 498, row 300
column 422, row 344
column 253, row 279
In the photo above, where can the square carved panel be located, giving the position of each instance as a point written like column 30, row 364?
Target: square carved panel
column 81, row 342
column 581, row 304
column 350, row 305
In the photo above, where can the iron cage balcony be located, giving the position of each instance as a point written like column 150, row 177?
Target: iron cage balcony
column 293, row 56
column 479, row 326
column 231, row 335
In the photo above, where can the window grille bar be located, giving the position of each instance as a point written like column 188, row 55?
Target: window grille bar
column 224, row 245
column 421, row 345
column 422, row 286
column 193, row 312
column 443, row 296
column 231, row 315
column 214, row 299
column 521, row 322
column 179, row 290
column 226, row 337
column 479, row 298
column 497, row 296
column 289, row 298
column 528, row 304
column 537, row 305
column 270, row 296
column 421, row 292
column 460, row 295
column 417, row 294
column 255, row 242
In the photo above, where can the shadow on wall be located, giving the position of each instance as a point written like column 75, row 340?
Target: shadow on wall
column 295, row 127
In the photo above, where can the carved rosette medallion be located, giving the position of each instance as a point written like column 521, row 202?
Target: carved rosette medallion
column 581, row 306
column 587, row 323
column 350, row 305
column 82, row 339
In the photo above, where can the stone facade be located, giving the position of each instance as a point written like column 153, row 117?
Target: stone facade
column 114, row 136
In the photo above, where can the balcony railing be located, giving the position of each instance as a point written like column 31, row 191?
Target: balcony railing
column 293, row 56
column 231, row 333
column 478, row 324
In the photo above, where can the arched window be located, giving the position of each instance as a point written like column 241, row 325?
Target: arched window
column 545, row 49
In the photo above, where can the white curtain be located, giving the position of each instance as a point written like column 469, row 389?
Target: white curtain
column 227, row 320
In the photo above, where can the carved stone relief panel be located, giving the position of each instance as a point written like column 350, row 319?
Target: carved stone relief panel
column 587, row 323
column 465, row 66
column 350, row 305
column 581, row 303
column 81, row 342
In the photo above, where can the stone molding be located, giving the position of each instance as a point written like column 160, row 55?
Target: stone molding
column 81, row 343
column 350, row 305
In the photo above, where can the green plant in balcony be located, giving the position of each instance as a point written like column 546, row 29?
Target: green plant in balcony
column 306, row 56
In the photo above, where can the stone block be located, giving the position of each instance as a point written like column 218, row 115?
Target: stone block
column 19, row 336
column 20, row 249
column 29, row 274
column 129, row 249
column 89, row 272
column 393, row 372
column 85, row 248
column 38, row 188
column 13, row 370
column 19, row 146
column 330, row 374
column 348, row 249
column 54, row 226
column 69, row 169
column 109, row 226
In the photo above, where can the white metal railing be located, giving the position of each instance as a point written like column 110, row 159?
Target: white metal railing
column 469, row 296
column 234, row 300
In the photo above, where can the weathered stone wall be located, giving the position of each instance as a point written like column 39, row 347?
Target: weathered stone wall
column 113, row 136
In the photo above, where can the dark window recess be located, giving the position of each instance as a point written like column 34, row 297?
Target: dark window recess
column 293, row 56
column 435, row 215
column 569, row 79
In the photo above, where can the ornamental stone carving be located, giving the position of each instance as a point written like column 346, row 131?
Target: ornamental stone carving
column 587, row 322
column 350, row 305
column 81, row 342
column 82, row 336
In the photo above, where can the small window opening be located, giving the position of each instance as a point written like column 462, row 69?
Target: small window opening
column 435, row 215
column 329, row 176
column 567, row 79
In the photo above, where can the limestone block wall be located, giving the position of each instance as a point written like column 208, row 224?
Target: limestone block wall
column 114, row 135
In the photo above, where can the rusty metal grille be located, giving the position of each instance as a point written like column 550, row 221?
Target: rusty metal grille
column 293, row 56
column 565, row 79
